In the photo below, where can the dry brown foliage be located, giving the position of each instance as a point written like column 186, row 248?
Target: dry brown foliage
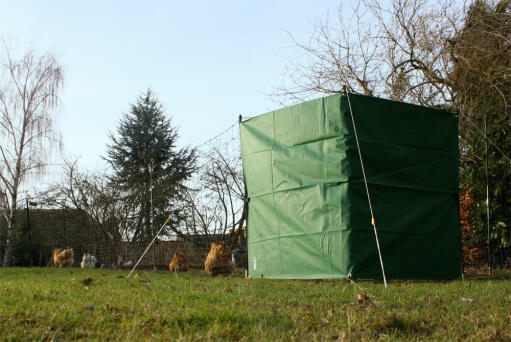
column 471, row 254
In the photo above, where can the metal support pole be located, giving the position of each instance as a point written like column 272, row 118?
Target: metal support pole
column 29, row 231
column 152, row 213
column 28, row 220
column 487, row 195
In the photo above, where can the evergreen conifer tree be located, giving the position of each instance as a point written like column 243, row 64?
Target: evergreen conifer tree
column 144, row 152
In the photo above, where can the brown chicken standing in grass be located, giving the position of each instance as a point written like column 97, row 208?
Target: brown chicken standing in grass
column 63, row 258
column 178, row 263
column 219, row 260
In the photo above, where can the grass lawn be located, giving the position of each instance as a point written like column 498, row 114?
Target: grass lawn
column 96, row 304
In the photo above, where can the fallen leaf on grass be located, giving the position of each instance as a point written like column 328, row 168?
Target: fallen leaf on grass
column 87, row 281
column 363, row 299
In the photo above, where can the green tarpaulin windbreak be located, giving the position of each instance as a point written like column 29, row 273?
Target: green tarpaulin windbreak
column 308, row 213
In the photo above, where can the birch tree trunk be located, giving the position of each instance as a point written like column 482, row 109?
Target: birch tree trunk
column 29, row 88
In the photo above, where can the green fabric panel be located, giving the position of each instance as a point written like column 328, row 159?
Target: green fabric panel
column 418, row 237
column 404, row 145
column 308, row 213
column 257, row 134
column 262, row 215
column 258, row 166
column 319, row 207
column 407, row 167
column 308, row 122
column 317, row 162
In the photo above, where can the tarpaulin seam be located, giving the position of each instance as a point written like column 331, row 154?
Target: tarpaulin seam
column 300, row 187
column 324, row 233
column 407, row 168
column 368, row 229
column 341, row 209
column 328, row 137
column 310, row 233
column 357, row 181
column 367, row 188
column 362, row 139
column 439, row 111
column 446, row 235
column 290, row 147
column 273, row 190
column 385, row 142
column 309, row 151
column 394, row 186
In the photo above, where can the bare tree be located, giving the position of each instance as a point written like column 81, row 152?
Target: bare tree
column 29, row 88
column 400, row 51
column 99, row 204
column 215, row 205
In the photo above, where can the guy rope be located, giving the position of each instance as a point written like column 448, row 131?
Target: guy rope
column 373, row 223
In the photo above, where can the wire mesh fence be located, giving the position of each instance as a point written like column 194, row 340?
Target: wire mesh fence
column 51, row 229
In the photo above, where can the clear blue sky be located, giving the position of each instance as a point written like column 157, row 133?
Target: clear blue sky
column 208, row 61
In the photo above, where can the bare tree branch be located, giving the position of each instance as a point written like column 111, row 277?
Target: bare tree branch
column 29, row 88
